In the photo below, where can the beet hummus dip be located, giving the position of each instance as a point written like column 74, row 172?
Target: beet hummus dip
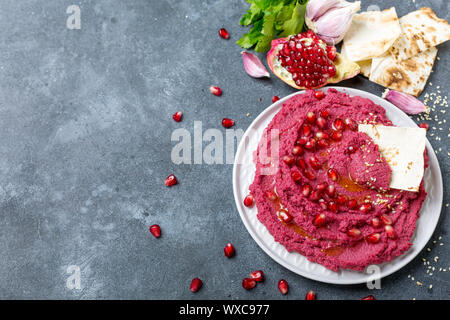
column 328, row 198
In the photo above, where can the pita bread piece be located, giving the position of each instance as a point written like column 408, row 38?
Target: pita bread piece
column 371, row 34
column 422, row 29
column 409, row 76
column 364, row 65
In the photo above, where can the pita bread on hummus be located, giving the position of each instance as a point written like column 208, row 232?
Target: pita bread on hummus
column 422, row 30
column 371, row 34
column 409, row 76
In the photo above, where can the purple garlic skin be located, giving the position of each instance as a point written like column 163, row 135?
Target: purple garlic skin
column 405, row 102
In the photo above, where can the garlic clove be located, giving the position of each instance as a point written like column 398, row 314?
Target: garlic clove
column 404, row 101
column 316, row 8
column 253, row 66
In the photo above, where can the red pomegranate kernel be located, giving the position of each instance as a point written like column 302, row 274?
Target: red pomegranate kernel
column 306, row 130
column 342, row 200
column 354, row 233
column 227, row 123
column 315, row 196
column 319, row 220
column 301, row 163
column 289, row 160
column 215, row 90
column 331, row 191
column 336, row 135
column 333, row 174
column 310, row 295
column 249, row 201
column 171, row 180
column 271, row 195
column 351, row 124
column 224, row 33
column 196, row 284
column 370, row 297
column 155, row 230
column 331, row 53
column 297, row 151
column 351, row 149
column 424, row 126
column 309, row 174
column 319, row 95
column 365, row 207
column 257, row 275
column 384, row 218
column 323, row 143
column 332, row 206
column 283, row 286
column 177, row 116
column 275, row 99
column 248, row 283
column 311, row 117
column 390, row 232
column 323, row 204
column 284, row 216
column 310, row 145
column 321, row 122
column 306, row 190
column 301, row 142
column 321, row 186
column 325, row 114
column 373, row 238
column 229, row 250
column 315, row 163
column 321, row 135
column 296, row 176
column 376, row 223
column 338, row 124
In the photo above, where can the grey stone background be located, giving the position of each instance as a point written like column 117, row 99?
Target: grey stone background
column 85, row 127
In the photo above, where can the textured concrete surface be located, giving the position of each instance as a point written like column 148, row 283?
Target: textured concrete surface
column 85, row 127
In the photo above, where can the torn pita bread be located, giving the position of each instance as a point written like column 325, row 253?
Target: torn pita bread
column 371, row 34
column 409, row 76
column 364, row 65
column 422, row 30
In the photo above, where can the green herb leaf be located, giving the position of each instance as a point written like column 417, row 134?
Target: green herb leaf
column 295, row 24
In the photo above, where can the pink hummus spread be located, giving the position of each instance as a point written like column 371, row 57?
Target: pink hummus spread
column 328, row 197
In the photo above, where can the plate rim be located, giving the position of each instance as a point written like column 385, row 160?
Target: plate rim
column 279, row 260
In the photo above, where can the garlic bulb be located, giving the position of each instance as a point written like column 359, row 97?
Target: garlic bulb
column 330, row 19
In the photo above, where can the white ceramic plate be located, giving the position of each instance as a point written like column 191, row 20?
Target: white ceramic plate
column 244, row 171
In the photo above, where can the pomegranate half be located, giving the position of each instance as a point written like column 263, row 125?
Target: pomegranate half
column 304, row 61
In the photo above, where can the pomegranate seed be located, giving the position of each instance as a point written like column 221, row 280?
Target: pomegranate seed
column 323, row 204
column 171, row 180
column 321, row 135
column 331, row 53
column 301, row 142
column 324, row 114
column 341, row 199
column 155, row 230
column 296, row 176
column 331, row 191
column 390, row 232
column 354, row 233
column 424, row 126
column 248, row 283
column 321, row 186
column 227, row 123
column 352, row 204
column 319, row 94
column 297, row 151
column 306, row 130
column 384, row 218
column 370, row 297
column 310, row 295
column 319, row 220
column 284, row 216
column 229, row 250
column 315, row 196
column 338, row 124
column 289, row 160
column 271, row 195
column 336, row 135
column 283, row 286
column 321, row 122
column 196, row 284
column 365, row 207
column 224, row 33
column 315, row 163
column 275, row 99
column 248, row 201
column 310, row 145
column 215, row 90
column 331, row 71
column 311, row 117
column 257, row 275
column 309, row 174
column 351, row 124
column 376, row 222
column 323, row 143
column 351, row 149
column 333, row 174
column 306, row 190
column 373, row 237
column 177, row 116
column 332, row 206
column 301, row 163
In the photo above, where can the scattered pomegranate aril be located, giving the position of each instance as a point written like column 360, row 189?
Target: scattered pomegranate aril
column 315, row 196
column 319, row 220
column 384, row 218
column 352, row 204
column 319, row 95
column 297, row 151
column 338, row 124
column 320, row 135
column 310, row 145
column 336, row 135
column 248, row 201
column 369, row 297
column 375, row 222
column 306, row 130
column 248, row 283
column 309, row 174
column 311, row 117
column 275, row 99
column 332, row 206
column 229, row 250
column 321, row 122
column 331, row 191
column 321, row 186
column 296, row 176
column 323, row 143
column 301, row 163
column 354, row 233
column 271, row 195
column 315, row 163
column 155, row 230
column 171, row 180
column 323, row 204
column 310, row 295
column 325, row 114
column 289, row 160
column 224, row 33
column 257, row 275
column 333, row 174
column 373, row 237
column 227, row 123
column 365, row 207
column 424, row 126
column 331, row 53
column 177, row 116
column 390, row 232
column 351, row 124
column 283, row 286
column 215, row 90
column 306, row 190
column 351, row 149
column 341, row 199
column 284, row 216
column 196, row 284
column 301, row 142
